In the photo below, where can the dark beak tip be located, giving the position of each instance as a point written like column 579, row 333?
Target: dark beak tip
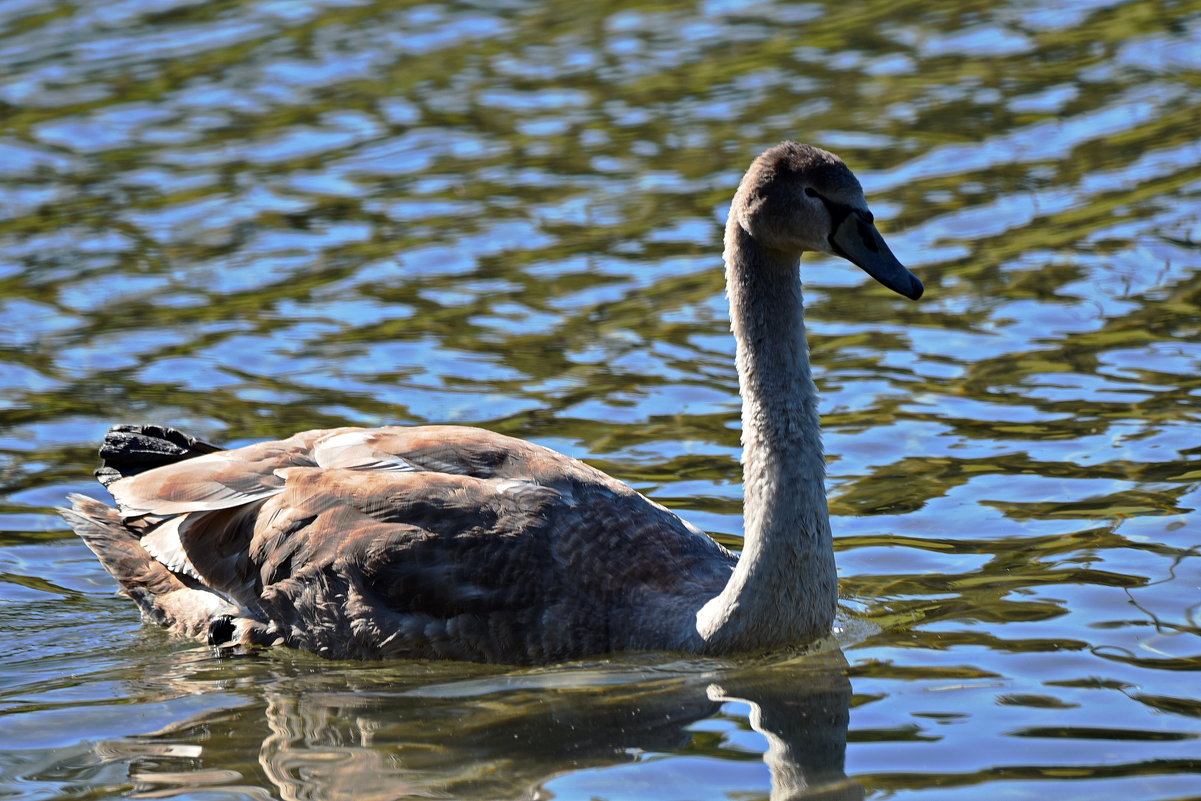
column 916, row 290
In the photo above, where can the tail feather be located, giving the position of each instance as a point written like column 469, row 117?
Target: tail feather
column 118, row 549
column 131, row 449
column 164, row 597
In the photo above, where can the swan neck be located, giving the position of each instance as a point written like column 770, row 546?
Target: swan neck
column 784, row 588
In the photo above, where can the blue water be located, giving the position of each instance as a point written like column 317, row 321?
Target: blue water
column 250, row 218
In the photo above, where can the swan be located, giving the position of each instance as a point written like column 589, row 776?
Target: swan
column 452, row 542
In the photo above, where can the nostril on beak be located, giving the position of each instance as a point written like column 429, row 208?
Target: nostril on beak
column 868, row 237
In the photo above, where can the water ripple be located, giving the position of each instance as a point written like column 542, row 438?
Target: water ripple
column 248, row 219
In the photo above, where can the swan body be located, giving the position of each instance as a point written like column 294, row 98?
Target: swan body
column 452, row 542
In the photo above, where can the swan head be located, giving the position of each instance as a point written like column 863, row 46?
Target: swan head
column 797, row 197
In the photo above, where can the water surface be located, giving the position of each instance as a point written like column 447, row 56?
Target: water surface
column 249, row 218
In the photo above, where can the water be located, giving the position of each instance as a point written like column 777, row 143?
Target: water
column 249, row 218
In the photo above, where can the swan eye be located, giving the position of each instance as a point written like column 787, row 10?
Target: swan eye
column 811, row 192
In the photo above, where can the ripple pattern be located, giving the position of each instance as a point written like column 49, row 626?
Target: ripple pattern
column 251, row 217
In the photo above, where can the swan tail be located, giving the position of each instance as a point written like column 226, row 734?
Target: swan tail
column 131, row 449
column 167, row 598
column 118, row 548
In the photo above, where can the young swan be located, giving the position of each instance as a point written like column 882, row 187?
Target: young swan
column 458, row 543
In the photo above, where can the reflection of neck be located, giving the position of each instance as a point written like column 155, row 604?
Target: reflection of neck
column 785, row 586
column 803, row 711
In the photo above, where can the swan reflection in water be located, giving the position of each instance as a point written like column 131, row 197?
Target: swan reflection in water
column 330, row 732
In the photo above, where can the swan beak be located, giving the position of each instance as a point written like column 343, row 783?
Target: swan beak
column 857, row 240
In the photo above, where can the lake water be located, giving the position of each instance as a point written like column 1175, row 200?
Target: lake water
column 250, row 217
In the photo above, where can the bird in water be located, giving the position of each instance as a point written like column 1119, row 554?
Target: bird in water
column 451, row 542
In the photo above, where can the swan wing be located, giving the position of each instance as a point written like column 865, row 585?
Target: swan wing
column 416, row 564
column 234, row 477
column 212, row 481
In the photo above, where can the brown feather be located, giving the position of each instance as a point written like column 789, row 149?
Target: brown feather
column 435, row 541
